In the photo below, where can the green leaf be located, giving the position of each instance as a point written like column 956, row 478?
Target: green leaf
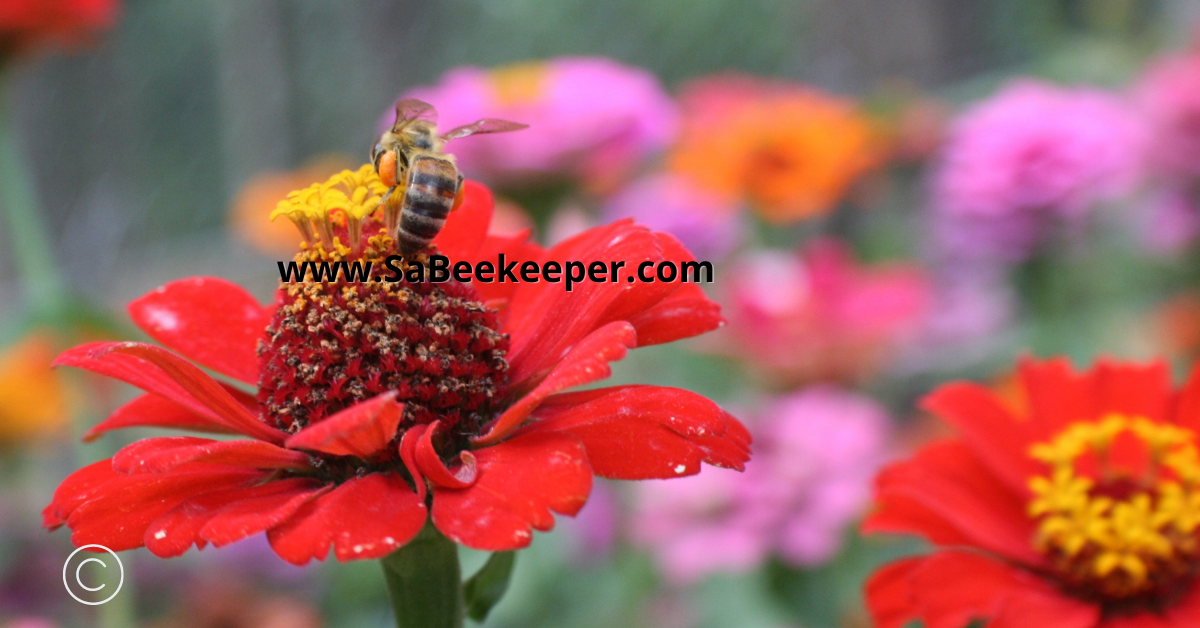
column 424, row 582
column 484, row 589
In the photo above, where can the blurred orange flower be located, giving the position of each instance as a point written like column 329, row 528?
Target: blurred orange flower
column 34, row 401
column 790, row 150
column 259, row 196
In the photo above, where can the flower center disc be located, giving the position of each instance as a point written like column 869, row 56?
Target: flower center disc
column 1119, row 511
column 332, row 344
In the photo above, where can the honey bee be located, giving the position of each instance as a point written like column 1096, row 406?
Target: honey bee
column 411, row 156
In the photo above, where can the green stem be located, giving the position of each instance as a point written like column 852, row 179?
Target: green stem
column 26, row 233
column 425, row 583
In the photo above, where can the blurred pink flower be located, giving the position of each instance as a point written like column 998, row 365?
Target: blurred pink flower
column 1173, row 218
column 590, row 119
column 29, row 622
column 815, row 453
column 819, row 315
column 1031, row 156
column 706, row 225
column 1169, row 96
column 593, row 532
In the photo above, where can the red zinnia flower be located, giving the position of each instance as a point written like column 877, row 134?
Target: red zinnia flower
column 1078, row 507
column 380, row 404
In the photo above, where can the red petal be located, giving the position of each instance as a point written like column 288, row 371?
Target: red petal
column 953, row 588
column 156, row 370
column 545, row 320
column 520, row 482
column 118, row 514
column 1058, row 396
column 516, row 248
column 367, row 517
column 1186, row 612
column 587, row 362
column 687, row 312
column 945, row 483
column 211, row 321
column 362, row 430
column 1142, row 620
column 264, row 510
column 159, row 455
column 1187, row 407
column 408, row 455
column 237, row 512
column 466, row 227
column 1134, row 389
column 999, row 439
column 434, row 470
column 643, row 432
column 79, row 487
column 888, row 594
column 150, row 410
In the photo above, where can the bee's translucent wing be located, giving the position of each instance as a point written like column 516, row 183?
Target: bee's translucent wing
column 486, row 125
column 413, row 109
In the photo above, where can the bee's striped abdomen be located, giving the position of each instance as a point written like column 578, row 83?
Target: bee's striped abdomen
column 428, row 197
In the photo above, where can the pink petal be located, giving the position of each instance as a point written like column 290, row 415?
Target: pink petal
column 362, row 430
column 367, row 517
column 211, row 321
column 521, row 482
column 586, row 362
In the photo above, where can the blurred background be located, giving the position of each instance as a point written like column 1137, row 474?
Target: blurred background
column 893, row 194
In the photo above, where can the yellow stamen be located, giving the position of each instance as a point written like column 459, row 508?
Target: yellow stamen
column 347, row 198
column 1113, row 534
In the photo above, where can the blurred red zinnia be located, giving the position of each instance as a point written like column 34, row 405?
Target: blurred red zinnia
column 28, row 23
column 1077, row 507
column 381, row 404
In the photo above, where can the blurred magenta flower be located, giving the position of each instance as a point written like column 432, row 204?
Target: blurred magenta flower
column 815, row 453
column 820, row 315
column 1031, row 156
column 1169, row 96
column 709, row 227
column 591, row 119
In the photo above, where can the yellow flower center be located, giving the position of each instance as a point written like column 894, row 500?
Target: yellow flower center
column 1118, row 511
column 519, row 84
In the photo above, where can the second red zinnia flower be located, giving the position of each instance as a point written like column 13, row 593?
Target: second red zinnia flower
column 1078, row 507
